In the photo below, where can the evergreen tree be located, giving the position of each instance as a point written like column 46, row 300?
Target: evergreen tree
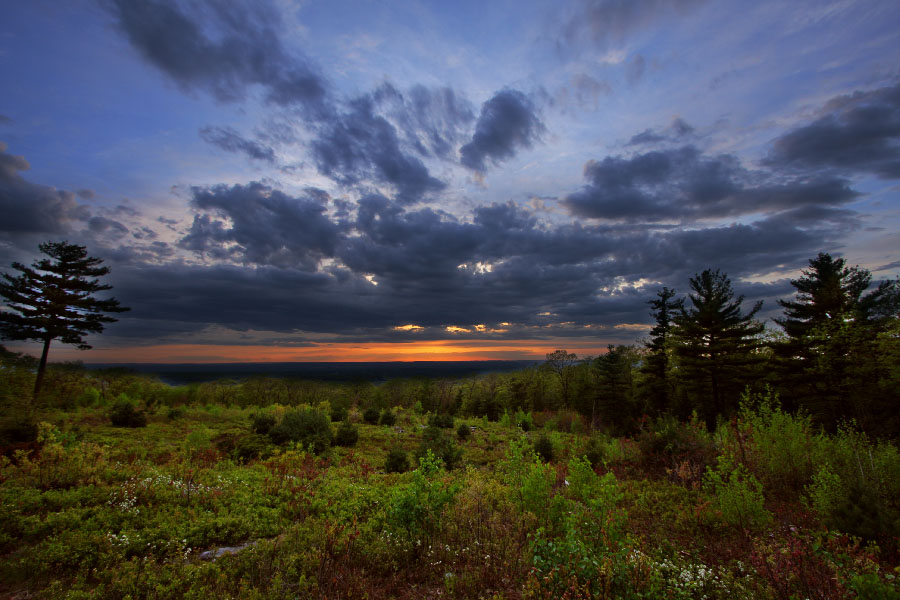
column 715, row 344
column 828, row 360
column 656, row 366
column 619, row 408
column 52, row 300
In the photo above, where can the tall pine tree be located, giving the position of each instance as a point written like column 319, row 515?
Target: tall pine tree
column 53, row 299
column 716, row 345
column 656, row 366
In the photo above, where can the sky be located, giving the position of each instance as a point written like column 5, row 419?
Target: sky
column 350, row 180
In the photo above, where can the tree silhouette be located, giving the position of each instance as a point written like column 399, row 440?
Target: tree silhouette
column 715, row 344
column 656, row 367
column 52, row 300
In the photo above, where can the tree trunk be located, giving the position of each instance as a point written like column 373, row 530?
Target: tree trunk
column 40, row 374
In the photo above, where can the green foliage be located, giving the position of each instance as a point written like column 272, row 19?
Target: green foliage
column 18, row 429
column 416, row 508
column 387, row 418
column 436, row 441
column 371, row 415
column 543, row 446
column 307, row 427
column 339, row 411
column 442, row 420
column 735, row 495
column 347, row 434
column 124, row 414
column 252, row 447
column 397, row 461
column 463, row 432
column 89, row 397
column 263, row 423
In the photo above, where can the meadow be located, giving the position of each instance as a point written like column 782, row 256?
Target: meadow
column 118, row 486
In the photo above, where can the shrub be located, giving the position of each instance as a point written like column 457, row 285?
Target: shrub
column 339, row 412
column 89, row 397
column 439, row 444
column 308, row 427
column 21, row 429
column 387, row 418
column 347, row 435
column 523, row 420
column 175, row 412
column 543, row 446
column 736, row 495
column 463, row 432
column 415, row 510
column 124, row 414
column 443, row 420
column 263, row 423
column 594, row 451
column 396, row 461
column 251, row 447
column 371, row 415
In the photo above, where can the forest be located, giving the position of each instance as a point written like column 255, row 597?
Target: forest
column 719, row 458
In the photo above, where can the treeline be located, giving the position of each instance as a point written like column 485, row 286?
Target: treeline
column 834, row 355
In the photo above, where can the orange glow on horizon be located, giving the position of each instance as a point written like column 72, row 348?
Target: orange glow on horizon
column 440, row 350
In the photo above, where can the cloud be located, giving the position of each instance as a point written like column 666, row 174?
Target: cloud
column 610, row 22
column 359, row 144
column 682, row 184
column 33, row 208
column 859, row 132
column 508, row 122
column 222, row 48
column 4, row 120
column 255, row 224
column 102, row 226
column 230, row 140
column 677, row 131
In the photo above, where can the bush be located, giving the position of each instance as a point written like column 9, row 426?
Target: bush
column 387, row 418
column 371, row 416
column 444, row 421
column 347, row 435
column 736, row 495
column 543, row 446
column 18, row 430
column 463, row 432
column 263, row 423
column 308, row 427
column 339, row 412
column 440, row 444
column 124, row 414
column 176, row 412
column 251, row 447
column 396, row 461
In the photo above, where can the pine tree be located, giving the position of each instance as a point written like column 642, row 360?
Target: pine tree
column 52, row 300
column 828, row 357
column 656, row 367
column 716, row 344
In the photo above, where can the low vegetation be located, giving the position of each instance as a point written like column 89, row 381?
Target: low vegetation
column 123, row 487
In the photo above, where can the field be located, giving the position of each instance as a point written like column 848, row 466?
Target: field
column 217, row 491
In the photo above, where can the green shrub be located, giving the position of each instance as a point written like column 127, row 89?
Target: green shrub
column 543, row 446
column 523, row 420
column 437, row 442
column 19, row 429
column 735, row 495
column 371, row 415
column 387, row 418
column 339, row 412
column 309, row 428
column 89, row 397
column 396, row 461
column 124, row 414
column 251, row 447
column 262, row 423
column 463, row 431
column 415, row 510
column 347, row 434
column 174, row 413
column 442, row 420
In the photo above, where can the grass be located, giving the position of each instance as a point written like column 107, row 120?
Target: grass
column 100, row 511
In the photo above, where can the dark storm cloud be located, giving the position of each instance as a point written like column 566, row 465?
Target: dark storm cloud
column 5, row 120
column 256, row 224
column 859, row 132
column 33, row 208
column 682, row 184
column 359, row 144
column 102, row 226
column 675, row 132
column 508, row 122
column 230, row 140
column 607, row 22
column 220, row 47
